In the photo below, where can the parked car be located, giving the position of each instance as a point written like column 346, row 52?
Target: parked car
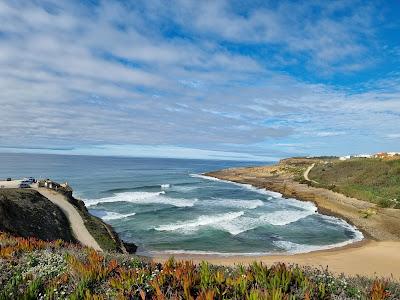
column 24, row 185
column 29, row 180
column 9, row 179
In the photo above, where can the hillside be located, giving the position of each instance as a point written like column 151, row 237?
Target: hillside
column 372, row 180
column 27, row 213
column 374, row 175
column 33, row 269
column 103, row 233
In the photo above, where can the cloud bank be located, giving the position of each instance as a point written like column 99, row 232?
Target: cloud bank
column 258, row 80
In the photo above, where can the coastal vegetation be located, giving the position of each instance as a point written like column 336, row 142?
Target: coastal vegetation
column 26, row 213
column 373, row 180
column 34, row 269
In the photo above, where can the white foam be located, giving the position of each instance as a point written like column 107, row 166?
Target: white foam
column 206, row 177
column 115, row 216
column 285, row 217
column 277, row 218
column 190, row 226
column 200, row 252
column 293, row 202
column 304, row 205
column 290, row 248
column 165, row 186
column 249, row 204
column 143, row 198
column 336, row 221
column 294, row 248
column 235, row 223
column 239, row 225
column 185, row 188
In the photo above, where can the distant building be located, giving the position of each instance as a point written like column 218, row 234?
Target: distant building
column 363, row 156
column 391, row 154
column 47, row 183
column 381, row 155
column 50, row 184
column 345, row 157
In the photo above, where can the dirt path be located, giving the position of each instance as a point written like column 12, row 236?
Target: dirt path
column 77, row 225
column 306, row 172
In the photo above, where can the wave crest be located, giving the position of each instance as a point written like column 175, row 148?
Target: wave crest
column 143, row 198
column 248, row 204
column 115, row 216
column 190, row 226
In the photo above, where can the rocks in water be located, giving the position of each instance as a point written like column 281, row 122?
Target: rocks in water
column 130, row 247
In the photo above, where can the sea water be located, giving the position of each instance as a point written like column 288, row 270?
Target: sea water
column 168, row 206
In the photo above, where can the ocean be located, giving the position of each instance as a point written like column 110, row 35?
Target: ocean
column 168, row 206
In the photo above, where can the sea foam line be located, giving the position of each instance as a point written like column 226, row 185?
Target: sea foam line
column 276, row 219
column 206, row 220
column 291, row 201
column 143, row 198
column 115, row 216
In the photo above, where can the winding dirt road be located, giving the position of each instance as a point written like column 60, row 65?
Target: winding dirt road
column 306, row 172
column 76, row 222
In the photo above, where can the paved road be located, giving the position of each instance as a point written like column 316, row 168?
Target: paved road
column 13, row 184
column 76, row 222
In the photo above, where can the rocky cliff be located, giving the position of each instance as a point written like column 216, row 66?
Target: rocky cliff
column 27, row 213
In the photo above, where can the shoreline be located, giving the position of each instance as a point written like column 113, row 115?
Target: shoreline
column 381, row 226
column 379, row 246
column 365, row 258
column 382, row 255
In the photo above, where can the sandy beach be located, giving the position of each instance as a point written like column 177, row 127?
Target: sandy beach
column 377, row 255
column 371, row 258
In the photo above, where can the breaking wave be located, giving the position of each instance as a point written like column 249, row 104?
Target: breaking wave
column 115, row 216
column 248, row 204
column 235, row 222
column 143, row 198
column 278, row 218
column 292, row 202
column 285, row 217
column 189, row 226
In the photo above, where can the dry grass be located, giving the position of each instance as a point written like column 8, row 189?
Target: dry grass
column 372, row 180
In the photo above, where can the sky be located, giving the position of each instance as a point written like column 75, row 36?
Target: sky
column 243, row 80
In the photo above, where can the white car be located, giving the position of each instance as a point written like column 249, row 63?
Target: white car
column 29, row 180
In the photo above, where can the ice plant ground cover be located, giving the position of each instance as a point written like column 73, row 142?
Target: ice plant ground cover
column 34, row 269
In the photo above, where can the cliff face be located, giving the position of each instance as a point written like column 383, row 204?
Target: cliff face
column 27, row 213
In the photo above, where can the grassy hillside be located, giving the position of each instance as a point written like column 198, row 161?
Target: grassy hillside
column 33, row 269
column 373, row 180
column 25, row 212
column 103, row 233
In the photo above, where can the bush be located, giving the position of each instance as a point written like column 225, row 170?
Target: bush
column 81, row 273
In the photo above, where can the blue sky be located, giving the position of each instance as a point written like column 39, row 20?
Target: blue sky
column 256, row 80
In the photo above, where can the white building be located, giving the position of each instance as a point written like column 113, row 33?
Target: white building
column 393, row 153
column 344, row 157
column 363, row 156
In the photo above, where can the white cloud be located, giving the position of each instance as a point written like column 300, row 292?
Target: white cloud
column 393, row 136
column 77, row 75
